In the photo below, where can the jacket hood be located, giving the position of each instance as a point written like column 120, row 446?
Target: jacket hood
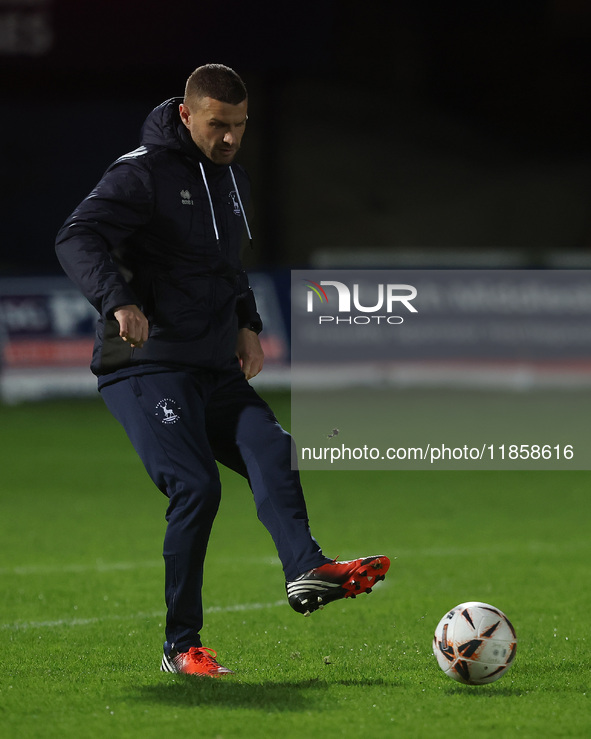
column 163, row 127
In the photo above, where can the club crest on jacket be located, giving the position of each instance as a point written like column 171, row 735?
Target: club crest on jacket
column 236, row 203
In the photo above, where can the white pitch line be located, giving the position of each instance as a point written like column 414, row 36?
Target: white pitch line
column 78, row 568
column 523, row 547
column 237, row 608
column 57, row 569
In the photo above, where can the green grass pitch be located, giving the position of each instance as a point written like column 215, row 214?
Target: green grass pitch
column 82, row 609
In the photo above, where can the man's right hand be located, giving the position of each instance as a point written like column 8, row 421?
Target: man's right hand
column 133, row 325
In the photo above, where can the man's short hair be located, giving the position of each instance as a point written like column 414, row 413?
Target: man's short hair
column 215, row 81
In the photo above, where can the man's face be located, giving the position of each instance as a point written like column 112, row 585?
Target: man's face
column 217, row 128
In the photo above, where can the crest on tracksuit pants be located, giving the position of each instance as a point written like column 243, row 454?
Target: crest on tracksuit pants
column 168, row 411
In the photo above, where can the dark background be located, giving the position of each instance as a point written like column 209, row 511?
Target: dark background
column 378, row 131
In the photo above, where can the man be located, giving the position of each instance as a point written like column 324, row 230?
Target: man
column 155, row 248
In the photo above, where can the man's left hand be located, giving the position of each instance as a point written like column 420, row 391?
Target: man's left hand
column 249, row 352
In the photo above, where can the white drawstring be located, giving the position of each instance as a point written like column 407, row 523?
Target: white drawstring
column 215, row 225
column 241, row 206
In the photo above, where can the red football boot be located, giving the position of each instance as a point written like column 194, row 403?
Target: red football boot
column 196, row 661
column 335, row 580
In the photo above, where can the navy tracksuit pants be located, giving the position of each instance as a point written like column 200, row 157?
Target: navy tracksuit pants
column 179, row 424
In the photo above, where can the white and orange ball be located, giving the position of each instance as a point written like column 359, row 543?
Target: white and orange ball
column 475, row 643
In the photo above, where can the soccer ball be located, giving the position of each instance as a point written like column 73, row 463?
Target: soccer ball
column 475, row 643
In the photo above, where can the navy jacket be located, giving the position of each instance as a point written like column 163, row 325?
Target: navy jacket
column 146, row 235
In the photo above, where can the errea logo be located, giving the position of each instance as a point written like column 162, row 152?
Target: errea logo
column 186, row 197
